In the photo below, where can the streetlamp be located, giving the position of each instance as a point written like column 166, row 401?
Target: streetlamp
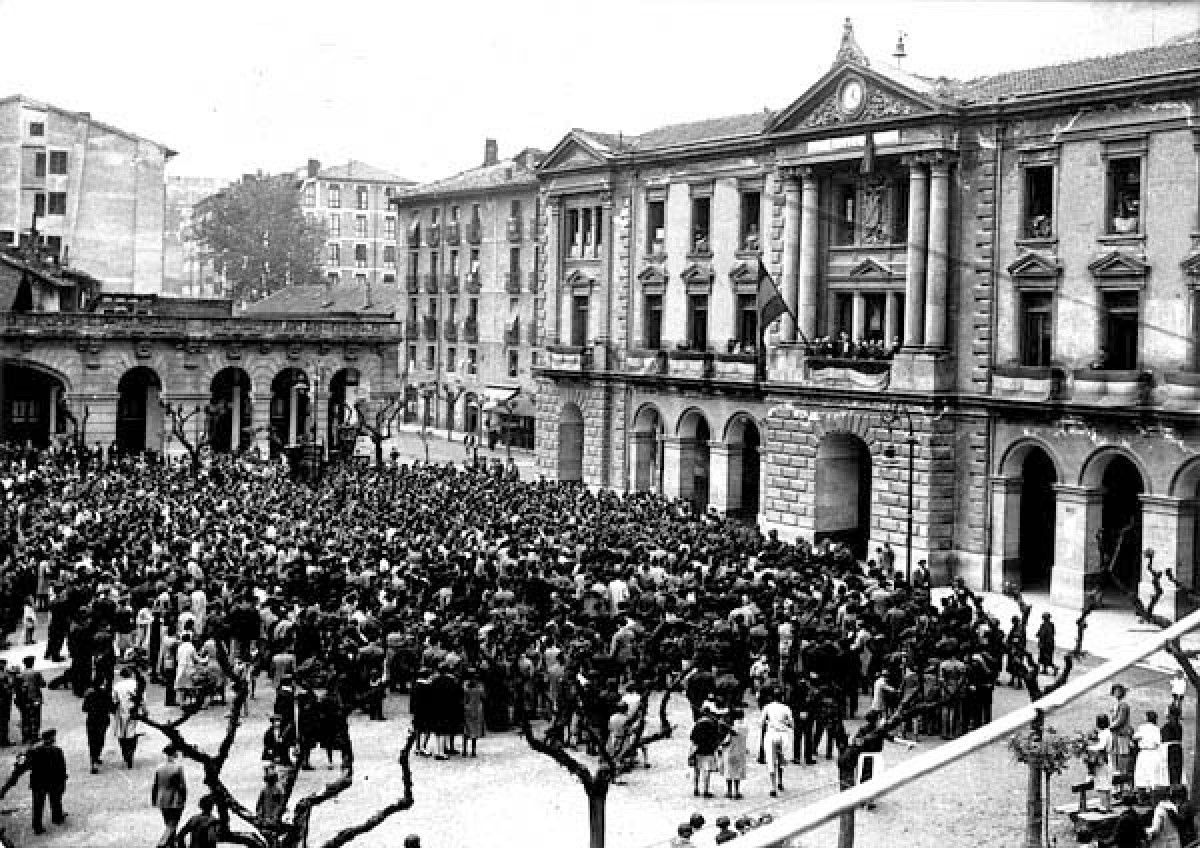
column 894, row 415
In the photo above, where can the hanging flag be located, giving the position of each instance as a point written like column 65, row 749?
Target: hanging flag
column 771, row 304
column 868, row 159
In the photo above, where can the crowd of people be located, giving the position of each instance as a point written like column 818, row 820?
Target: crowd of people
column 493, row 602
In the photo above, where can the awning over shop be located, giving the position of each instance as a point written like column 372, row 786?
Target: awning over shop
column 494, row 397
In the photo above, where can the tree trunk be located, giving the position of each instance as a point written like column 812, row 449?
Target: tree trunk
column 846, row 830
column 597, row 802
column 1196, row 753
column 1033, row 809
column 378, row 452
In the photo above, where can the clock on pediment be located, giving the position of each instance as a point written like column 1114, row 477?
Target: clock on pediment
column 851, row 96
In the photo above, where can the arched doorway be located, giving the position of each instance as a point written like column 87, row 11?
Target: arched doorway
column 570, row 444
column 843, row 506
column 648, row 430
column 1121, row 522
column 139, row 415
column 32, row 405
column 694, row 436
column 289, row 408
column 744, row 442
column 1035, row 545
column 232, row 421
column 345, row 391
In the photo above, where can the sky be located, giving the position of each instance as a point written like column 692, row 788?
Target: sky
column 415, row 87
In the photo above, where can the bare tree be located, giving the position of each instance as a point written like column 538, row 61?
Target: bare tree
column 376, row 423
column 286, row 832
column 179, row 421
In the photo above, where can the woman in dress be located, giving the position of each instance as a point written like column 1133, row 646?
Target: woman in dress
column 733, row 762
column 1172, row 739
column 473, row 723
column 1100, row 751
column 1121, row 725
column 1150, row 768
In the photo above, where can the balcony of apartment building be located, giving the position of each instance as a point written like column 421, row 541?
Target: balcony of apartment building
column 432, row 281
column 429, row 326
column 451, row 330
column 450, row 281
column 453, row 232
column 475, row 231
column 574, row 359
column 433, row 234
column 470, row 331
column 412, row 283
column 513, row 228
column 512, row 282
column 472, row 282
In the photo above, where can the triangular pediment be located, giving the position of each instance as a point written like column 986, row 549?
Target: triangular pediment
column 871, row 268
column 573, row 151
column 652, row 275
column 1191, row 265
column 577, row 279
column 1118, row 263
column 697, row 273
column 830, row 102
column 1035, row 266
column 744, row 273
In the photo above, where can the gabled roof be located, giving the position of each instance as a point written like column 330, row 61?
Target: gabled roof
column 340, row 300
column 1173, row 56
column 85, row 116
column 356, row 170
column 503, row 174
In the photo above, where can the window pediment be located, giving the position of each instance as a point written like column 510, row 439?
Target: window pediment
column 1035, row 269
column 1191, row 267
column 744, row 277
column 698, row 278
column 1118, row 265
column 579, row 282
column 871, row 269
column 652, row 279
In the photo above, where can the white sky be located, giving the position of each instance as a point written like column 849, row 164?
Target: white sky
column 415, row 87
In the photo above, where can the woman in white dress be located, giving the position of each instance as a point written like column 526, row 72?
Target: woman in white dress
column 1100, row 755
column 185, row 668
column 1150, row 768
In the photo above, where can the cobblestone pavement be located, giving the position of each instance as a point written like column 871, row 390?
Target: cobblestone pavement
column 411, row 445
column 510, row 796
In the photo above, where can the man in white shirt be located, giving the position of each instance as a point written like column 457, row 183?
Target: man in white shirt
column 777, row 727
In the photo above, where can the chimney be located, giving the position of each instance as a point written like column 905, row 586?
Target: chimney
column 314, row 167
column 491, row 152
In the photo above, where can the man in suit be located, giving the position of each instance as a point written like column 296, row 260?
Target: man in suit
column 47, row 769
column 169, row 794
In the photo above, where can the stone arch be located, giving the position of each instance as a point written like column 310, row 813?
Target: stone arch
column 1012, row 459
column 649, row 428
column 692, row 436
column 1091, row 472
column 1122, row 479
column 743, row 444
column 843, row 490
column 570, row 443
column 689, row 420
column 139, row 424
column 33, row 407
column 230, row 398
column 1186, row 481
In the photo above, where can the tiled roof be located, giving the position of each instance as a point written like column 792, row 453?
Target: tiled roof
column 355, row 170
column 696, row 131
column 341, row 300
column 84, row 116
column 506, row 172
column 1181, row 56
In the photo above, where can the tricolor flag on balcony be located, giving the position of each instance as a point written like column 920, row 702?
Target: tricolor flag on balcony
column 771, row 304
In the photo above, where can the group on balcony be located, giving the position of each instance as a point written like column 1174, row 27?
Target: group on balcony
column 843, row 347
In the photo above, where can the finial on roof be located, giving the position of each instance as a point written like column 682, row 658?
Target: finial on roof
column 849, row 50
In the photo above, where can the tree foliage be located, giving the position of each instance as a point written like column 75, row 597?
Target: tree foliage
column 255, row 234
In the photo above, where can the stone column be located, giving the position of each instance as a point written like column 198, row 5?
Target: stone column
column 673, row 485
column 154, row 435
column 293, row 414
column 553, row 297
column 725, row 477
column 1168, row 529
column 260, row 410
column 891, row 328
column 1077, row 516
column 52, row 412
column 914, row 282
column 235, row 420
column 791, row 251
column 858, row 316
column 1004, row 560
column 938, row 255
column 806, row 296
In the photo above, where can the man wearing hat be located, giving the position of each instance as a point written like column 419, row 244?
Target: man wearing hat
column 169, row 794
column 28, row 697
column 47, row 769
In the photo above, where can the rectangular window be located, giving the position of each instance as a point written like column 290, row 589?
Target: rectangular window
column 514, row 209
column 473, row 310
column 589, row 244
column 1124, row 195
column 433, row 214
column 1120, row 352
column 39, row 205
column 360, row 278
column 899, row 230
column 474, row 269
column 414, row 263
column 363, row 197
column 335, row 226
column 874, row 306
column 54, row 246
column 7, row 236
column 335, row 254
column 751, row 208
column 37, row 128
column 412, row 355
column 413, row 306
column 433, row 308
column 430, row 357
column 39, row 164
column 652, row 322
column 579, row 320
column 451, row 355
column 598, row 220
column 1039, row 202
column 389, row 256
column 843, row 315
column 514, row 261
column 58, row 162
column 335, row 197
column 360, row 256
column 698, row 321
column 451, row 309
column 747, row 321
column 656, row 227
column 58, row 203
column 310, row 194
column 389, row 228
column 454, row 214
column 433, row 265
column 845, row 214
column 332, row 276
column 360, row 226
column 472, row 360
column 701, row 207
column 1037, row 329
column 514, row 363
column 389, row 278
